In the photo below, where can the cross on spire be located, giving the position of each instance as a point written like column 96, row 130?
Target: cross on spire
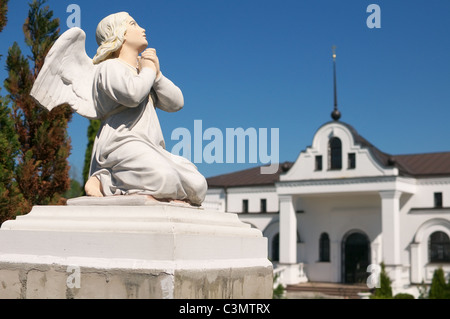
column 335, row 115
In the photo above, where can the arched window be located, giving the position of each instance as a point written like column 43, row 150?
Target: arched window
column 439, row 247
column 324, row 247
column 335, row 153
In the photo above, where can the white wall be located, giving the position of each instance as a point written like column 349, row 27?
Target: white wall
column 254, row 196
column 418, row 220
column 335, row 215
column 215, row 199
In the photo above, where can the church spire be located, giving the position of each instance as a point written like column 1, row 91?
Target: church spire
column 335, row 115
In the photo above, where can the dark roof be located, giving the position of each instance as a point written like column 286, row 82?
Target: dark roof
column 416, row 165
column 248, row 177
column 424, row 165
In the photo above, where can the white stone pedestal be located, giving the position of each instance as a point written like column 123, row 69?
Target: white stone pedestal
column 130, row 247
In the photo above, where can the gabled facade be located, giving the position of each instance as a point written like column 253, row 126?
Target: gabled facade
column 344, row 205
column 338, row 151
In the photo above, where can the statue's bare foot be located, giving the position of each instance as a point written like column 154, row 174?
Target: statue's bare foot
column 93, row 187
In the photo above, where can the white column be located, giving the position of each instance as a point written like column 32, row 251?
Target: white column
column 335, row 257
column 390, row 223
column 416, row 269
column 293, row 271
column 288, row 231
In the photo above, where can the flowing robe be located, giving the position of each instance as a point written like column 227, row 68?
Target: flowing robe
column 129, row 155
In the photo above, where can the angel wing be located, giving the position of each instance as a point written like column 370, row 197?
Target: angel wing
column 67, row 76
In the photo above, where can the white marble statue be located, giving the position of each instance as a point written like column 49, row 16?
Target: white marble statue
column 122, row 85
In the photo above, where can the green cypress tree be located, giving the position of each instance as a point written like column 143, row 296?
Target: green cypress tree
column 74, row 190
column 438, row 289
column 385, row 290
column 3, row 14
column 94, row 126
column 447, row 290
column 42, row 170
column 10, row 199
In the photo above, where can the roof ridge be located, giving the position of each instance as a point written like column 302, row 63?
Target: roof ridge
column 428, row 153
column 249, row 169
column 415, row 165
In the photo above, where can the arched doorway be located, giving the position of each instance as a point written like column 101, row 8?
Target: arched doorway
column 355, row 257
column 276, row 248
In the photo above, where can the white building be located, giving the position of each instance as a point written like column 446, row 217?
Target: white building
column 343, row 205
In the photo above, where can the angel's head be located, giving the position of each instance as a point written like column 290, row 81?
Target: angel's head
column 117, row 30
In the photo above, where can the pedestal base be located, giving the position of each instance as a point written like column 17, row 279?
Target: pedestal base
column 129, row 247
column 291, row 274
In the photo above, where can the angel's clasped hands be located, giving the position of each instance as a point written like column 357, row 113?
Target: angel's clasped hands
column 149, row 59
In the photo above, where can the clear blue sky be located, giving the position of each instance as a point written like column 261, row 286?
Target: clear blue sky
column 267, row 64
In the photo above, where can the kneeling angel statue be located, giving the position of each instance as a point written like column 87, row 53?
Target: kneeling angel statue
column 122, row 85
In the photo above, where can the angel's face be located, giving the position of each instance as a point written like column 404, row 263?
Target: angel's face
column 135, row 35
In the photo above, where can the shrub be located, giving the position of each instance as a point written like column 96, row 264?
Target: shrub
column 423, row 290
column 385, row 290
column 439, row 289
column 403, row 296
column 278, row 291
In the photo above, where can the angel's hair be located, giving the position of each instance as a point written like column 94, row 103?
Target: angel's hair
column 110, row 35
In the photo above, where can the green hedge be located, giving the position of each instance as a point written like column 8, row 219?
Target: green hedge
column 403, row 296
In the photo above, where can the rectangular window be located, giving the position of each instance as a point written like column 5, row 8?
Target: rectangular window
column 318, row 162
column 438, row 200
column 263, row 205
column 351, row 160
column 245, row 205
